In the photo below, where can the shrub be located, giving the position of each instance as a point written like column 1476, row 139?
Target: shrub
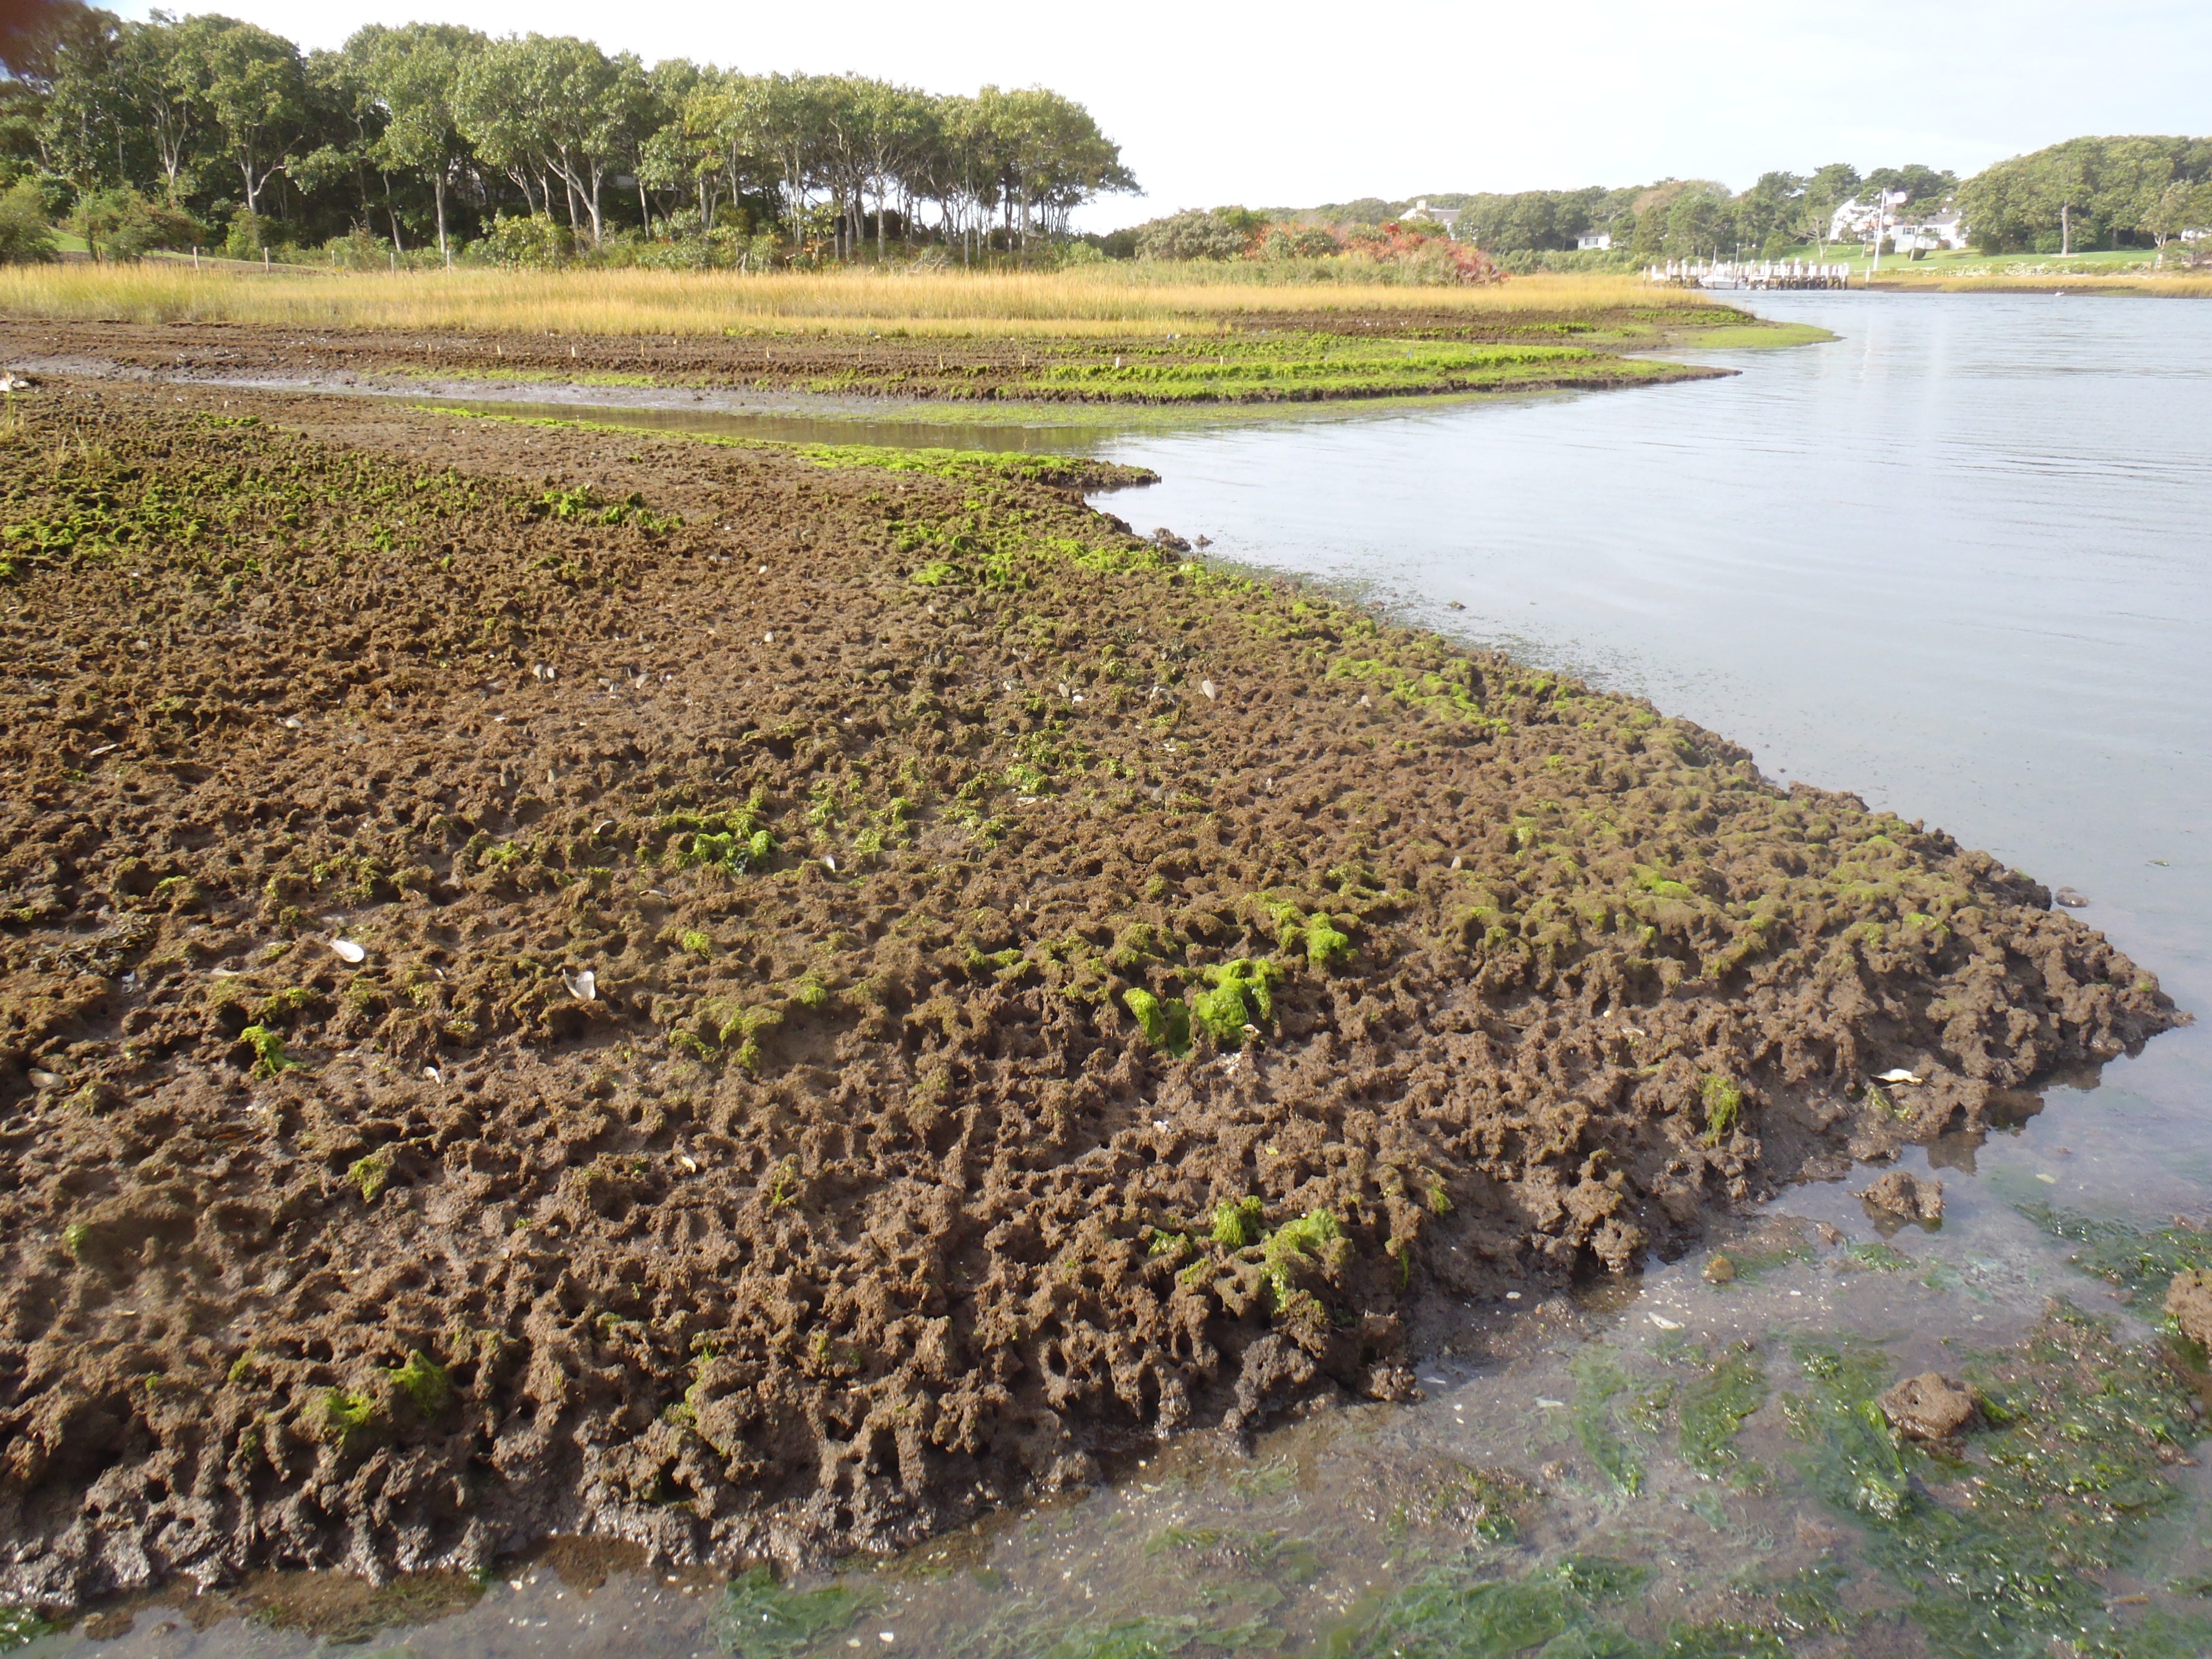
column 536, row 243
column 1214, row 233
column 121, row 224
column 24, row 237
column 245, row 241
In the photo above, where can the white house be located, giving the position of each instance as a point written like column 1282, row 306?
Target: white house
column 1857, row 221
column 1594, row 241
column 1446, row 217
column 1854, row 221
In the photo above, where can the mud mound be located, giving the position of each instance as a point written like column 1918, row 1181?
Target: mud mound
column 1043, row 994
column 1325, row 356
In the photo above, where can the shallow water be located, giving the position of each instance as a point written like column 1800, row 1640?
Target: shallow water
column 1960, row 561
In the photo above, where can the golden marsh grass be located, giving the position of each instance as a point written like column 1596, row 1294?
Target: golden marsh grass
column 1120, row 299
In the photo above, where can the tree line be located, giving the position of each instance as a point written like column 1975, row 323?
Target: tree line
column 2084, row 194
column 180, row 130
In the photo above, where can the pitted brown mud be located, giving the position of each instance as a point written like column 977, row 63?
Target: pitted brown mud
column 847, row 1196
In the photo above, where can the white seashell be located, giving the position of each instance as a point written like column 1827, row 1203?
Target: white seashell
column 291, row 723
column 1456, row 862
column 434, row 1074
column 349, row 951
column 1899, row 1075
column 584, row 986
column 1664, row 1323
column 829, row 864
column 1550, row 1404
column 763, row 570
column 1206, row 688
column 769, row 638
column 44, row 1080
column 106, row 748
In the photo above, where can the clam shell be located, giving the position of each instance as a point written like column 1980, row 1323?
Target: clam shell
column 350, row 950
column 584, row 986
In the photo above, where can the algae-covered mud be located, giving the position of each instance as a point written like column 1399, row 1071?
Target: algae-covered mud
column 1259, row 359
column 765, row 1003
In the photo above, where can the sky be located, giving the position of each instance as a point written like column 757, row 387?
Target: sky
column 1296, row 104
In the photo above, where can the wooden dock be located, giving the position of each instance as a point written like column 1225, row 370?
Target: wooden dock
column 1764, row 274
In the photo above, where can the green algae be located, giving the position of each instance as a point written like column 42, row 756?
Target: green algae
column 1723, row 1101
column 731, row 840
column 2143, row 1262
column 268, row 1046
column 20, row 1627
column 1999, row 1555
column 425, row 1383
column 372, row 1174
column 1242, row 995
column 1875, row 1256
column 1448, row 1613
column 1313, row 1243
column 1236, row 1226
column 759, row 1619
column 1600, row 1379
column 351, row 1419
column 1712, row 1409
column 1166, row 1026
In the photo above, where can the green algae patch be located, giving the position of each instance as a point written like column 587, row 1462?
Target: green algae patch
column 1723, row 1102
column 268, row 1046
column 759, row 1619
column 1998, row 1551
column 425, row 1383
column 1166, row 1026
column 1712, row 1409
column 20, row 1627
column 2143, row 1261
column 371, row 1175
column 1600, row 1380
column 1241, row 996
column 351, row 1419
column 1236, row 1226
column 1451, row 1614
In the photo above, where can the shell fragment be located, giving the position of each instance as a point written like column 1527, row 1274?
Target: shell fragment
column 1898, row 1075
column 584, row 986
column 350, row 950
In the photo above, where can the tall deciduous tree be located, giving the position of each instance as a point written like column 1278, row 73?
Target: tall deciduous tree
column 414, row 73
column 255, row 86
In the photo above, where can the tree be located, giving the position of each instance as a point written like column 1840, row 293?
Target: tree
column 42, row 44
column 1828, row 189
column 2184, row 204
column 413, row 73
column 255, row 89
column 1770, row 207
column 2081, row 193
column 548, row 107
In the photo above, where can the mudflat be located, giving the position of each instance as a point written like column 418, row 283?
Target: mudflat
column 1261, row 357
column 757, row 1000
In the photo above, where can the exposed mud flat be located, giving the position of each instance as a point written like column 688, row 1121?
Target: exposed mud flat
column 1264, row 359
column 878, row 990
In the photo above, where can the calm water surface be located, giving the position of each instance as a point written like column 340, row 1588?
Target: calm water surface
column 1960, row 561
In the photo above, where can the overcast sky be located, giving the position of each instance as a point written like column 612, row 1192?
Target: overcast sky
column 1295, row 104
